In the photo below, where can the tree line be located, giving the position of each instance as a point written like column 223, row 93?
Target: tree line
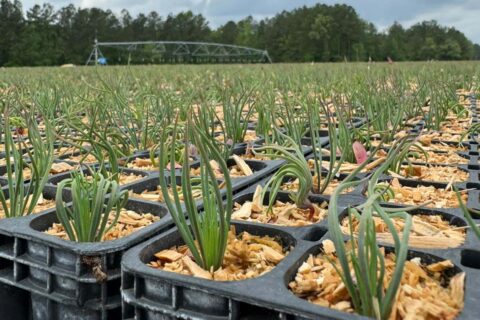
column 45, row 36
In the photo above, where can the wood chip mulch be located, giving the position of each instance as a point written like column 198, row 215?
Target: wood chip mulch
column 347, row 167
column 250, row 155
column 423, row 293
column 129, row 178
column 428, row 231
column 282, row 213
column 239, row 170
column 142, row 164
column 156, row 195
column 90, row 158
column 428, row 196
column 440, row 157
column 428, row 145
column 128, row 222
column 60, row 167
column 246, row 257
column 42, row 205
column 445, row 174
column 147, row 165
column 442, row 136
column 250, row 136
column 55, row 169
column 332, row 185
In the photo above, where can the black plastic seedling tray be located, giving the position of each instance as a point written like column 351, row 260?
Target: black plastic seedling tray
column 65, row 279
column 154, row 294
column 150, row 293
column 148, row 297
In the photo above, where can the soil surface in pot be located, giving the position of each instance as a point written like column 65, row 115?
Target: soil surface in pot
column 60, row 167
column 146, row 164
column 454, row 129
column 3, row 161
column 27, row 144
column 250, row 155
column 332, row 185
column 126, row 178
column 428, row 231
column 56, row 168
column 250, row 136
column 376, row 139
column 428, row 145
column 428, row 196
column 246, row 256
column 414, row 120
column 128, row 222
column 439, row 157
column 239, row 170
column 453, row 122
column 347, row 167
column 89, row 158
column 258, row 157
column 142, row 164
column 445, row 174
column 282, row 213
column 442, row 136
column 68, row 149
column 425, row 291
column 42, row 205
column 156, row 195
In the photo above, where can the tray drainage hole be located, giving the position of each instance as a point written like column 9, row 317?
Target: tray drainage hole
column 314, row 234
column 113, row 287
column 5, row 265
column 470, row 258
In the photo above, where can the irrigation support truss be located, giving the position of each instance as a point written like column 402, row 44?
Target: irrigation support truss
column 186, row 52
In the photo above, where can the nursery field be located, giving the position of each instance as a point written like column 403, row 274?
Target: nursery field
column 286, row 191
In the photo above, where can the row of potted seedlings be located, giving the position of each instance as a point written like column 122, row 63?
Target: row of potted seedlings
column 414, row 273
column 329, row 233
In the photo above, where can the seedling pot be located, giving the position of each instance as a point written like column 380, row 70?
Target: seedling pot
column 63, row 275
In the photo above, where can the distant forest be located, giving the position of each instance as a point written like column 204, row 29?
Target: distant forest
column 45, row 36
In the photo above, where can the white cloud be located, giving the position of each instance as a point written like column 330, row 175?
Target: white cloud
column 463, row 17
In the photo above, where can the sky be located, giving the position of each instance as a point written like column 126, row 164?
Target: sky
column 461, row 14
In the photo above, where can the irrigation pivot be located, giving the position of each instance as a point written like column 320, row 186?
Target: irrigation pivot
column 183, row 52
